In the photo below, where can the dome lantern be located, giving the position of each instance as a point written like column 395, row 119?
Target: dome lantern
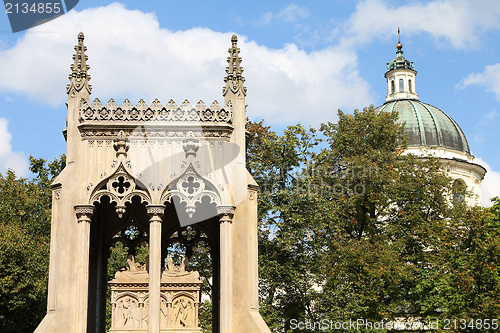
column 400, row 76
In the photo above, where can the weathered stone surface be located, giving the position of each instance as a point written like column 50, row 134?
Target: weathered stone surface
column 180, row 295
column 144, row 173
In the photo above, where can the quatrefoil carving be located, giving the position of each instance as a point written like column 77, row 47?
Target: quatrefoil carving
column 121, row 185
column 190, row 185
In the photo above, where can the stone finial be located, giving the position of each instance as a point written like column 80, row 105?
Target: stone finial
column 234, row 79
column 79, row 77
column 121, row 144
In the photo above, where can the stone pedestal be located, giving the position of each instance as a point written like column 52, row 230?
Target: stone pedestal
column 179, row 294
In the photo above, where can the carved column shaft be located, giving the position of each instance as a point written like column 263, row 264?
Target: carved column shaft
column 226, row 267
column 113, row 315
column 169, row 314
column 141, row 314
column 83, row 214
column 155, row 213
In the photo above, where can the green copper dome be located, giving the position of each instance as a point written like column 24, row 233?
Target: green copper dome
column 426, row 125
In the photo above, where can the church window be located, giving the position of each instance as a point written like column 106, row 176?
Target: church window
column 401, row 85
column 458, row 188
column 392, row 87
column 409, row 86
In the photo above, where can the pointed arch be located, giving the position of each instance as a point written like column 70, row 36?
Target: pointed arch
column 120, row 187
column 191, row 188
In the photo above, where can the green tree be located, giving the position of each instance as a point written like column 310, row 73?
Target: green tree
column 24, row 245
column 286, row 249
column 362, row 230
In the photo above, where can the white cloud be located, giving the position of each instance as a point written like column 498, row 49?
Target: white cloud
column 458, row 23
column 266, row 18
column 131, row 56
column 9, row 159
column 290, row 13
column 293, row 12
column 489, row 78
column 490, row 187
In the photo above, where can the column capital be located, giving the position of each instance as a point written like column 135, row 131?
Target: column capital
column 155, row 210
column 225, row 213
column 84, row 212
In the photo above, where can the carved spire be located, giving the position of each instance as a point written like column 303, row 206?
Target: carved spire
column 79, row 78
column 234, row 78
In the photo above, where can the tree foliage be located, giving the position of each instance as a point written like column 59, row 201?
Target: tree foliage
column 359, row 229
column 24, row 245
column 350, row 227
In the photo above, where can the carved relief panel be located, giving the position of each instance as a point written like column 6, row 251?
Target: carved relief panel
column 180, row 294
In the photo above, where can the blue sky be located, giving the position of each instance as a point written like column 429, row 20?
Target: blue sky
column 303, row 60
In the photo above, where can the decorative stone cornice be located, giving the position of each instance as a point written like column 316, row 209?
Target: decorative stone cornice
column 97, row 132
column 79, row 77
column 234, row 79
column 84, row 212
column 156, row 112
column 225, row 213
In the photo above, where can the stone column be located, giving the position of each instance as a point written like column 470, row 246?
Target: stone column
column 113, row 315
column 155, row 212
column 226, row 267
column 169, row 313
column 83, row 214
column 141, row 314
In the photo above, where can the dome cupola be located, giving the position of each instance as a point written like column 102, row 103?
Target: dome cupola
column 427, row 126
column 430, row 131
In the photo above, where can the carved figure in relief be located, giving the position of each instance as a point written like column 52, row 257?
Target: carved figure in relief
column 128, row 311
column 164, row 312
column 183, row 313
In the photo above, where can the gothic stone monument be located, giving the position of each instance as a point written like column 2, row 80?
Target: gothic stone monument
column 170, row 174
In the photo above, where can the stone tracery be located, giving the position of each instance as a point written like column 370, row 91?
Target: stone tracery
column 190, row 188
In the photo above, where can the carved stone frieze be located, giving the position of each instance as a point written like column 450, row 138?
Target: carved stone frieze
column 153, row 210
column 154, row 112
